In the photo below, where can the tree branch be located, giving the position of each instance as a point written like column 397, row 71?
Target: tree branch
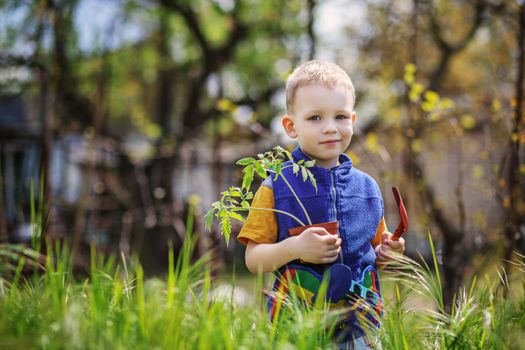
column 192, row 22
column 213, row 59
column 448, row 49
column 310, row 28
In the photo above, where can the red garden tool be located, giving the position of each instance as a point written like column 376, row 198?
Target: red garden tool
column 403, row 225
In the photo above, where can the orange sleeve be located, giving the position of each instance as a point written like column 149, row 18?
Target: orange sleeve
column 260, row 225
column 381, row 228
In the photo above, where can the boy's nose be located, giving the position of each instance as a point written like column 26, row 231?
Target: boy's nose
column 329, row 128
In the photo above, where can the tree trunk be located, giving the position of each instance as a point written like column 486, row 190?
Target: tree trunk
column 310, row 28
column 513, row 202
column 454, row 255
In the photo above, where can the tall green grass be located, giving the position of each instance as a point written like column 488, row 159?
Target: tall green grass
column 483, row 316
column 115, row 307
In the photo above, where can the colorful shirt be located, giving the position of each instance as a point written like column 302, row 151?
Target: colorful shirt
column 261, row 226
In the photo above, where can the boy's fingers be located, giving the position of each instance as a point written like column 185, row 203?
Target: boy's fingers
column 318, row 230
column 383, row 257
column 380, row 251
column 386, row 236
column 330, row 239
column 393, row 244
column 387, row 242
column 328, row 260
column 387, row 254
column 333, row 251
column 398, row 246
column 330, row 257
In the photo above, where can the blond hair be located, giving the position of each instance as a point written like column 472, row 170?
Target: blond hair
column 316, row 72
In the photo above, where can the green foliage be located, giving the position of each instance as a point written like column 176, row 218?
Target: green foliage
column 482, row 317
column 38, row 215
column 237, row 199
column 116, row 307
column 430, row 101
column 15, row 256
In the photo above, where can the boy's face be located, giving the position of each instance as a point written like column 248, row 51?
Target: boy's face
column 322, row 122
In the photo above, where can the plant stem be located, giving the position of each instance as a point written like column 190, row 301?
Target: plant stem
column 270, row 209
column 296, row 197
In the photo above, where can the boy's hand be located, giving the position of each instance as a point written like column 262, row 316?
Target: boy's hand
column 316, row 245
column 388, row 245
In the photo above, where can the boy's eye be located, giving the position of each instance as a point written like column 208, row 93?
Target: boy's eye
column 341, row 116
column 315, row 117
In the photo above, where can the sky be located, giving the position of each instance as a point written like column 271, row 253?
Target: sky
column 95, row 17
column 100, row 25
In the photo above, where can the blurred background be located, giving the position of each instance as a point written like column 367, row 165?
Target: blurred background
column 135, row 110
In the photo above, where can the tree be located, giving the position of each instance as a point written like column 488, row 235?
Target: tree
column 165, row 86
column 452, row 46
column 513, row 169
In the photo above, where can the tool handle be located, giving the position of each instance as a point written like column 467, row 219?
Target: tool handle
column 398, row 233
column 403, row 224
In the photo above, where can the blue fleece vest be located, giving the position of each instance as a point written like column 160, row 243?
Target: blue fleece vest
column 344, row 194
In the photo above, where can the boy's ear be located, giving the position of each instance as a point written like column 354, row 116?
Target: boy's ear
column 289, row 126
column 354, row 117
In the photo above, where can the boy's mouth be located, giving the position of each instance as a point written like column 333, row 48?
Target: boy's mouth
column 329, row 142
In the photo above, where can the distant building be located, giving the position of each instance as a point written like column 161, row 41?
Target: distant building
column 20, row 155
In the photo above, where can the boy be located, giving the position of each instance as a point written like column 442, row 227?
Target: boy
column 320, row 99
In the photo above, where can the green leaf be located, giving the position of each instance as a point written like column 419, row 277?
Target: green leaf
column 233, row 201
column 248, row 177
column 283, row 152
column 309, row 163
column 266, row 163
column 312, row 180
column 245, row 161
column 235, row 193
column 304, row 173
column 226, row 228
column 295, row 168
column 278, row 168
column 208, row 219
column 260, row 170
column 245, row 204
column 248, row 195
column 300, row 162
column 236, row 216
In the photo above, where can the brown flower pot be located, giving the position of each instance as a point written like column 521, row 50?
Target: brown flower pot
column 332, row 228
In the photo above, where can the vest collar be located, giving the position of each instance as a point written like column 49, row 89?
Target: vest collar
column 344, row 160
